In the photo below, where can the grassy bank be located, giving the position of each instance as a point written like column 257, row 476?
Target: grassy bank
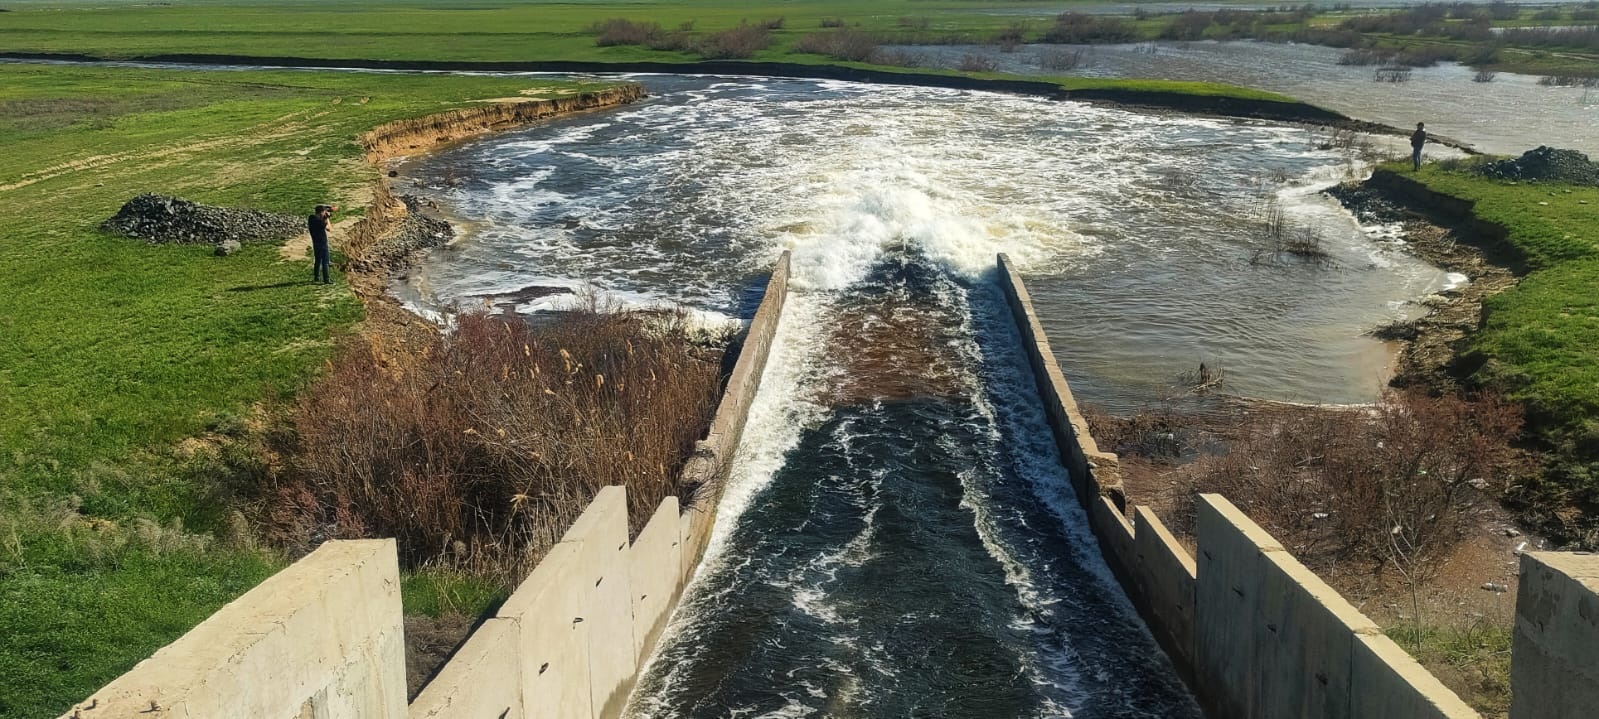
column 127, row 369
column 1537, row 341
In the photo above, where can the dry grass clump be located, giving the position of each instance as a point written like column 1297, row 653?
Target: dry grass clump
column 479, row 448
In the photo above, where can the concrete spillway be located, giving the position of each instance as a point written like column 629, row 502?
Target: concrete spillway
column 901, row 538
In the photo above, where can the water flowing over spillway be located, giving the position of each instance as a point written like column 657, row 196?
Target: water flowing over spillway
column 898, row 537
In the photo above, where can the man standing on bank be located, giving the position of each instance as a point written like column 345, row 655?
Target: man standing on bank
column 1417, row 139
column 317, row 224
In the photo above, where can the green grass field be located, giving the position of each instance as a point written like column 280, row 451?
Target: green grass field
column 1539, row 337
column 115, row 533
column 497, row 31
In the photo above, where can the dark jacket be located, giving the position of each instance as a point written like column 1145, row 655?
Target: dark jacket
column 318, row 227
column 1418, row 138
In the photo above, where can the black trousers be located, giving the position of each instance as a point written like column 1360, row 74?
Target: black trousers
column 319, row 271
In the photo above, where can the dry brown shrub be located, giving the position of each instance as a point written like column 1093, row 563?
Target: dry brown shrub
column 978, row 63
column 478, row 449
column 843, row 44
column 736, row 43
column 621, row 31
column 1392, row 486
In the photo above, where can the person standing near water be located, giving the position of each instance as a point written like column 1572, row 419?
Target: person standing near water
column 1417, row 139
column 317, row 224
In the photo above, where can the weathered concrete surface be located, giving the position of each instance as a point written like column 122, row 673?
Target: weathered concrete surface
column 482, row 680
column 1165, row 578
column 656, row 574
column 706, row 470
column 1388, row 682
column 549, row 608
column 1093, row 473
column 1115, row 533
column 600, row 576
column 1273, row 640
column 1229, row 600
column 1554, row 668
column 321, row 638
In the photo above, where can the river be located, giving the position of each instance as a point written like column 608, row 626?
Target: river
column 1508, row 116
column 898, row 537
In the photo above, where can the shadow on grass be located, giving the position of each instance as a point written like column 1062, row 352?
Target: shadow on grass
column 274, row 286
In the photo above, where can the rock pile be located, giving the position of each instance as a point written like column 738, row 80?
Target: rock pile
column 1546, row 163
column 159, row 219
column 419, row 230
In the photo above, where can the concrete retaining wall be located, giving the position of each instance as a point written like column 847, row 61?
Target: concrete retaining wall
column 1257, row 635
column 320, row 639
column 708, row 467
column 1554, row 668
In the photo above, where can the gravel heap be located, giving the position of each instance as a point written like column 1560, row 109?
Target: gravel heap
column 1546, row 163
column 419, row 230
column 159, row 219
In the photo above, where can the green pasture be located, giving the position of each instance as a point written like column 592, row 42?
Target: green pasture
column 1539, row 338
column 116, row 535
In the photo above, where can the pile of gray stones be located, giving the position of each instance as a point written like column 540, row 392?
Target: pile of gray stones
column 160, row 219
column 1546, row 163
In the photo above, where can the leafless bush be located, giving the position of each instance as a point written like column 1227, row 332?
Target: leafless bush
column 479, row 448
column 896, row 58
column 1060, row 59
column 978, row 63
column 680, row 41
column 1011, row 37
column 1176, row 179
column 1074, row 28
column 620, row 31
column 1484, row 76
column 1568, row 81
column 829, row 22
column 852, row 45
column 1578, row 37
column 736, row 43
column 775, row 23
column 1394, row 485
column 1392, row 74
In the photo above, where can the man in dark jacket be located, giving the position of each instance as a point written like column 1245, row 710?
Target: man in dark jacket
column 1417, row 139
column 317, row 224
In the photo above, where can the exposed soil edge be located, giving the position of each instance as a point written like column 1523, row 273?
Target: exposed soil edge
column 421, row 134
column 1447, row 233
column 384, row 215
column 1153, row 99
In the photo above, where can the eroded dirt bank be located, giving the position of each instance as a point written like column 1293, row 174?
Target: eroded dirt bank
column 409, row 137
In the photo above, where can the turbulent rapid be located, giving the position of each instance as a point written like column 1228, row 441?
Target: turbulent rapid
column 898, row 537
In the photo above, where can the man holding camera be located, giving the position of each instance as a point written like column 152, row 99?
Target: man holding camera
column 317, row 224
